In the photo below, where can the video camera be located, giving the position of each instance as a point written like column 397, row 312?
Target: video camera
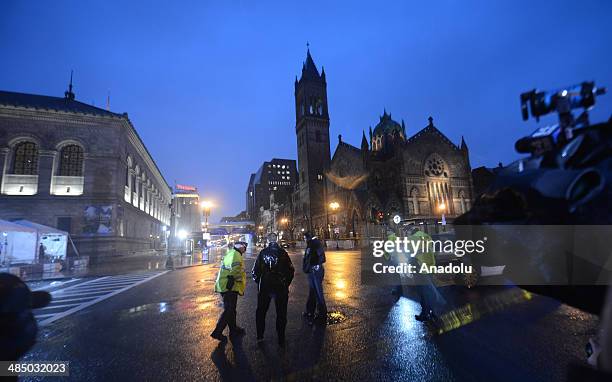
column 562, row 101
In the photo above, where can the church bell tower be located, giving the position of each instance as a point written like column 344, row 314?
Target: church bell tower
column 312, row 130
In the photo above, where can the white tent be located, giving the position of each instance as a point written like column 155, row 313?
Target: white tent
column 54, row 240
column 18, row 243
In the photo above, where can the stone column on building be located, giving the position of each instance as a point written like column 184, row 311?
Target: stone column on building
column 45, row 171
column 3, row 163
column 136, row 194
column 128, row 185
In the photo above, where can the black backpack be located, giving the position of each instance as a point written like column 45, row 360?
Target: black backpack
column 311, row 256
column 272, row 276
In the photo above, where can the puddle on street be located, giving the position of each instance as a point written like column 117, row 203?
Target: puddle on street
column 181, row 305
column 335, row 317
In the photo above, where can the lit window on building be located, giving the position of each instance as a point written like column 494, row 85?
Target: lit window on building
column 71, row 161
column 26, row 159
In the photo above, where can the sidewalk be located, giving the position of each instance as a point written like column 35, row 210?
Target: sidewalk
column 115, row 266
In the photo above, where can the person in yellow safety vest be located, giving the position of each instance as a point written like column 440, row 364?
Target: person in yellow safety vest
column 425, row 288
column 392, row 257
column 231, row 281
column 389, row 255
column 423, row 257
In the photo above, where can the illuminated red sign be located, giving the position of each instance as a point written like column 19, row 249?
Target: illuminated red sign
column 185, row 188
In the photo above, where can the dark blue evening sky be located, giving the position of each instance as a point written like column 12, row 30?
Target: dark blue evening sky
column 209, row 85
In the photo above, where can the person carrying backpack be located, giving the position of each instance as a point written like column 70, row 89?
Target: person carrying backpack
column 314, row 257
column 273, row 273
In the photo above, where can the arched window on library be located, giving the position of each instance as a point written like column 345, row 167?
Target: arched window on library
column 25, row 159
column 71, row 161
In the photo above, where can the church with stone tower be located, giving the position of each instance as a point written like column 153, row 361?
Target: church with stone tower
column 312, row 131
column 422, row 176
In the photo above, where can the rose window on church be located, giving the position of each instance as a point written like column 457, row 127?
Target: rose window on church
column 434, row 166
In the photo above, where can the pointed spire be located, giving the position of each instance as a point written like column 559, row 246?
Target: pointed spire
column 370, row 133
column 69, row 95
column 403, row 128
column 463, row 145
column 309, row 69
column 384, row 115
column 108, row 101
column 364, row 142
column 339, row 138
column 430, row 119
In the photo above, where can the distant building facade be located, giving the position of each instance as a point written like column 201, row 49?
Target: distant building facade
column 83, row 170
column 274, row 180
column 188, row 212
column 483, row 177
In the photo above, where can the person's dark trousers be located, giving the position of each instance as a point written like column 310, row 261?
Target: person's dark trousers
column 228, row 317
column 423, row 298
column 315, row 292
column 280, row 303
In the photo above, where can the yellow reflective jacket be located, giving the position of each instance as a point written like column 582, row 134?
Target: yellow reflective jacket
column 423, row 256
column 389, row 255
column 231, row 265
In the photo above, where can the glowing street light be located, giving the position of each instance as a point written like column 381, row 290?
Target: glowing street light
column 206, row 204
column 442, row 208
column 334, row 206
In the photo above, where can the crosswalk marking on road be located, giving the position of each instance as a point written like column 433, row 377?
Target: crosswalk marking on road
column 82, row 295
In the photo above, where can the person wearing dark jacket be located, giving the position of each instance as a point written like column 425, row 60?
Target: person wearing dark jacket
column 273, row 272
column 314, row 257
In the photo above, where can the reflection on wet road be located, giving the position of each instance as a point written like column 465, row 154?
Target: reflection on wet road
column 160, row 331
column 78, row 296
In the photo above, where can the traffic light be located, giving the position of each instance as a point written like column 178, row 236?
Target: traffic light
column 377, row 215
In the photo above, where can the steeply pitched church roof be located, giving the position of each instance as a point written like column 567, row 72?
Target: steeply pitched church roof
column 430, row 128
column 42, row 102
column 346, row 147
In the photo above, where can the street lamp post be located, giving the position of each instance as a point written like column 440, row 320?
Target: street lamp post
column 261, row 238
column 206, row 206
column 284, row 222
column 442, row 208
column 170, row 236
column 334, row 206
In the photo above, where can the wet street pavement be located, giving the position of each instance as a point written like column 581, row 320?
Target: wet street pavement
column 159, row 330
